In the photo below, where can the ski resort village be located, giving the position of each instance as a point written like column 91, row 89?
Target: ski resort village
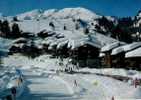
column 70, row 54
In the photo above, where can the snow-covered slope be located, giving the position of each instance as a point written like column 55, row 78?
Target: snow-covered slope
column 30, row 15
column 37, row 20
column 76, row 13
column 49, row 13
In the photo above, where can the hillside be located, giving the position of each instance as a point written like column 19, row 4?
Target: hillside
column 125, row 29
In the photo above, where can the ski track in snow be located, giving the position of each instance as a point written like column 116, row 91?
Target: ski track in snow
column 65, row 83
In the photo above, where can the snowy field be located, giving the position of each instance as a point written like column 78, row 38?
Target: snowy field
column 46, row 83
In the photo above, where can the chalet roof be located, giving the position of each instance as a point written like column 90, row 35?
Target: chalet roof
column 111, row 46
column 75, row 39
column 126, row 48
column 134, row 53
column 19, row 40
column 80, row 42
column 72, row 41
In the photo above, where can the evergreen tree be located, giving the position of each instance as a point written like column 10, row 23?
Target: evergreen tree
column 52, row 25
column 0, row 24
column 5, row 28
column 107, row 24
column 65, row 28
column 77, row 26
column 15, row 19
column 86, row 31
column 15, row 30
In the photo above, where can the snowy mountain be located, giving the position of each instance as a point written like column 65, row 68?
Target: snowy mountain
column 69, row 26
column 81, row 18
column 76, row 13
column 34, row 14
column 73, row 24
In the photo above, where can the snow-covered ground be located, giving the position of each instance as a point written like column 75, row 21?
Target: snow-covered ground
column 11, row 78
column 46, row 83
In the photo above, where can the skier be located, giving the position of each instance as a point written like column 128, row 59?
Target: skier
column 75, row 83
column 136, row 82
column 113, row 98
column 13, row 91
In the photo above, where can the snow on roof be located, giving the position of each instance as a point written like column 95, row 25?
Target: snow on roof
column 134, row 53
column 117, row 50
column 131, row 46
column 49, row 40
column 19, row 45
column 76, row 43
column 101, row 54
column 72, row 39
column 19, row 39
column 109, row 47
column 104, row 40
column 126, row 48
column 61, row 44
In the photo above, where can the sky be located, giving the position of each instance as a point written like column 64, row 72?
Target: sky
column 118, row 8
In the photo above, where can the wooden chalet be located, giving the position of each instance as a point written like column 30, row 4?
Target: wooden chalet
column 106, row 58
column 86, row 55
column 116, row 57
column 133, row 59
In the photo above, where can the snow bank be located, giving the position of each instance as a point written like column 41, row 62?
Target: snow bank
column 112, row 71
column 11, row 78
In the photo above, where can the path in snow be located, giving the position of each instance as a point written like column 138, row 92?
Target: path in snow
column 101, row 88
column 46, row 88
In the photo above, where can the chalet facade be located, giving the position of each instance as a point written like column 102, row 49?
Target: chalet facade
column 115, row 56
column 133, row 58
column 107, row 58
column 86, row 55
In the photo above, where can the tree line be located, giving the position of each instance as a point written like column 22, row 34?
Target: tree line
column 9, row 32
